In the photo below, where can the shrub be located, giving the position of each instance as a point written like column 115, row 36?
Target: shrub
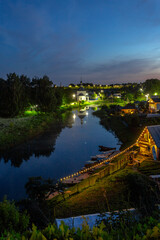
column 11, row 219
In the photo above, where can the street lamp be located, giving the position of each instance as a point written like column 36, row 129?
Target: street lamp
column 147, row 95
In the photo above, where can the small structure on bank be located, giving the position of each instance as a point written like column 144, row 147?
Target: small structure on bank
column 149, row 141
column 129, row 109
column 117, row 95
column 82, row 94
column 154, row 104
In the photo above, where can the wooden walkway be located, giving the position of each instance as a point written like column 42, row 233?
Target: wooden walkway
column 83, row 174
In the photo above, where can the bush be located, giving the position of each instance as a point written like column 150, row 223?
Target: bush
column 143, row 193
column 11, row 219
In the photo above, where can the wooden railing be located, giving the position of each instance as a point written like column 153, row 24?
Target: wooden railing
column 97, row 165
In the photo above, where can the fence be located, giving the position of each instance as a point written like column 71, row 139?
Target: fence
column 90, row 181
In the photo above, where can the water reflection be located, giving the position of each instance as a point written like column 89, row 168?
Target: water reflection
column 60, row 151
column 82, row 113
column 42, row 145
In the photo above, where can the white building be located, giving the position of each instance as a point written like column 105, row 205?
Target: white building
column 82, row 94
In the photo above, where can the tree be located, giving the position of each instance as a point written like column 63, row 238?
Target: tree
column 94, row 96
column 67, row 96
column 152, row 86
column 11, row 219
column 39, row 189
column 44, row 94
column 143, row 192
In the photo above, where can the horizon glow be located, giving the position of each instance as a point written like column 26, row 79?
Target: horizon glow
column 105, row 42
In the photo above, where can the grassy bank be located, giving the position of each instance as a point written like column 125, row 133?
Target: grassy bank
column 14, row 131
column 113, row 192
column 89, row 103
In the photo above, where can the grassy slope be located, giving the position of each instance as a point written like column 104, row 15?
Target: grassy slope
column 150, row 168
column 17, row 130
column 107, row 194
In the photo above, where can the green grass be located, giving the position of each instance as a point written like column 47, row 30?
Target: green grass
column 86, row 103
column 31, row 113
column 17, row 130
column 108, row 194
column 150, row 168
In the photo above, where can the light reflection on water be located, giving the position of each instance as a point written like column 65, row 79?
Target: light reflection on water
column 73, row 148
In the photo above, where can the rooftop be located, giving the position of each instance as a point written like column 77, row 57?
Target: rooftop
column 129, row 107
column 155, row 133
column 156, row 99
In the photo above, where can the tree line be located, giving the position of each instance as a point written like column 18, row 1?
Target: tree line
column 18, row 93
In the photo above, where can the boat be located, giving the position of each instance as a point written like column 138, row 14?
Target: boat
column 103, row 148
column 93, row 158
column 101, row 156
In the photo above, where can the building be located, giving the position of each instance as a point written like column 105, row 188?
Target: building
column 149, row 141
column 154, row 104
column 82, row 95
column 129, row 109
column 117, row 95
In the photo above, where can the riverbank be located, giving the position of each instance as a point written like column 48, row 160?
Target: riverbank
column 74, row 105
column 127, row 128
column 14, row 131
column 17, row 130
column 114, row 192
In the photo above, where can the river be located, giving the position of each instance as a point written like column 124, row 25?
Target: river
column 54, row 156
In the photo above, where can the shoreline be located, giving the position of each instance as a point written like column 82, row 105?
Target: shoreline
column 16, row 131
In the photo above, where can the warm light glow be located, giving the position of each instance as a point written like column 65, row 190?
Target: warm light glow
column 155, row 94
column 74, row 116
column 74, row 95
column 147, row 95
column 87, row 113
column 87, row 169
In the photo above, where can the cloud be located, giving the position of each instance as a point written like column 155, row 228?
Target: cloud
column 37, row 46
column 124, row 70
column 36, row 40
column 131, row 66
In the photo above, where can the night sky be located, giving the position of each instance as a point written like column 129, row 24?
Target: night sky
column 104, row 41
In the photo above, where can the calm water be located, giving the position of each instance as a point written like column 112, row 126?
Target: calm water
column 54, row 157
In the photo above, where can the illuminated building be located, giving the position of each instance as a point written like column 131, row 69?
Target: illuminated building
column 82, row 94
column 149, row 141
column 128, row 109
column 154, row 104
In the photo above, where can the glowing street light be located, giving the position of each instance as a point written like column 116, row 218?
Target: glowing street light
column 74, row 116
column 155, row 94
column 74, row 95
column 147, row 95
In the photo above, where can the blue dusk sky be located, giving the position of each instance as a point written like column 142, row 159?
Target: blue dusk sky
column 104, row 41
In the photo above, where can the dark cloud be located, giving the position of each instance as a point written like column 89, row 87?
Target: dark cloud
column 128, row 66
column 35, row 47
column 38, row 38
column 124, row 70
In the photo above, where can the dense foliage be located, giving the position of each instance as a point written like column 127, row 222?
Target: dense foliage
column 124, row 228
column 11, row 219
column 17, row 93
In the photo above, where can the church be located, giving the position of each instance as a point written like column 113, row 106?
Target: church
column 82, row 94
